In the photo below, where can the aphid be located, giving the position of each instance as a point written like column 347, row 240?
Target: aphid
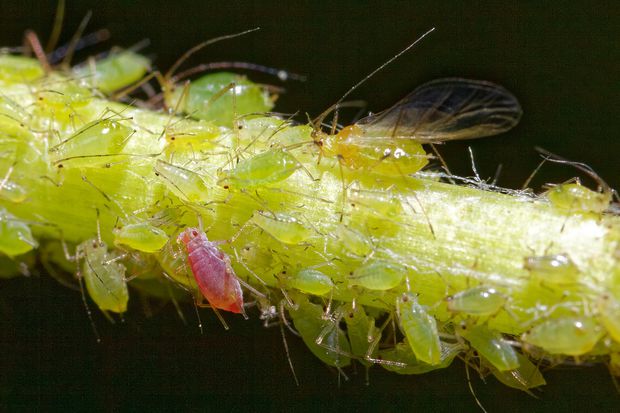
column 104, row 277
column 99, row 139
column 115, row 71
column 477, row 301
column 571, row 336
column 269, row 167
column 491, row 345
column 578, row 198
column 609, row 313
column 378, row 275
column 191, row 135
column 15, row 69
column 390, row 142
column 355, row 242
column 15, row 235
column 404, row 361
column 141, row 236
column 420, row 328
column 185, row 183
column 219, row 97
column 212, row 270
column 362, row 331
column 311, row 281
column 309, row 322
column 557, row 269
column 525, row 377
column 284, row 228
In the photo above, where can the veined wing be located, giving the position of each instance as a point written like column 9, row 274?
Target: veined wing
column 447, row 109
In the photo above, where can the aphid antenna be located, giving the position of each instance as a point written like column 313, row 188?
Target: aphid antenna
column 551, row 157
column 322, row 116
column 170, row 73
column 66, row 61
column 57, row 26
column 85, row 41
column 281, row 74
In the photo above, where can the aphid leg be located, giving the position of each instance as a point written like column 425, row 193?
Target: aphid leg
column 285, row 320
column 444, row 165
column 534, row 172
column 176, row 304
column 375, row 342
column 288, row 355
column 89, row 313
column 471, row 387
column 33, row 43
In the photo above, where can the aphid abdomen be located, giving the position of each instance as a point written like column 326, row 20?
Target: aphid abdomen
column 266, row 168
column 572, row 336
column 104, row 278
column 420, row 328
column 212, row 271
column 491, row 345
column 477, row 301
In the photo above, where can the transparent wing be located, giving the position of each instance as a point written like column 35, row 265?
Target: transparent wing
column 447, row 109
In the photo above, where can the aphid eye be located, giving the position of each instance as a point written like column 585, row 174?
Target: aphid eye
column 172, row 138
column 194, row 233
column 60, row 165
column 350, row 315
column 240, row 127
column 156, row 173
column 226, row 186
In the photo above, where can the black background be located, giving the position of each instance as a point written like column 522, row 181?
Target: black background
column 563, row 62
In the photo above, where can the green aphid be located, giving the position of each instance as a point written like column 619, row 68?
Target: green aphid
column 526, row 376
column 62, row 96
column 114, row 72
column 104, row 277
column 15, row 235
column 557, row 269
column 420, row 328
column 491, row 345
column 16, row 69
column 309, row 322
column 378, row 275
column 269, row 167
column 477, row 301
column 190, row 135
column 184, row 183
column 220, row 97
column 571, row 336
column 578, row 198
column 284, row 228
column 402, row 360
column 311, row 281
column 353, row 241
column 93, row 145
column 141, row 236
column 362, row 332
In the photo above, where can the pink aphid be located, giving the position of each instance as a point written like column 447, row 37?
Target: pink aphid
column 211, row 268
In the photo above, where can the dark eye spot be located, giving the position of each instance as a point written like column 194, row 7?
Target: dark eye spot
column 195, row 233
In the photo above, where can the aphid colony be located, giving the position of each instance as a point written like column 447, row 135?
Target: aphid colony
column 331, row 234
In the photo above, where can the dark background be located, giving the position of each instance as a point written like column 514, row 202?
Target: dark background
column 563, row 62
